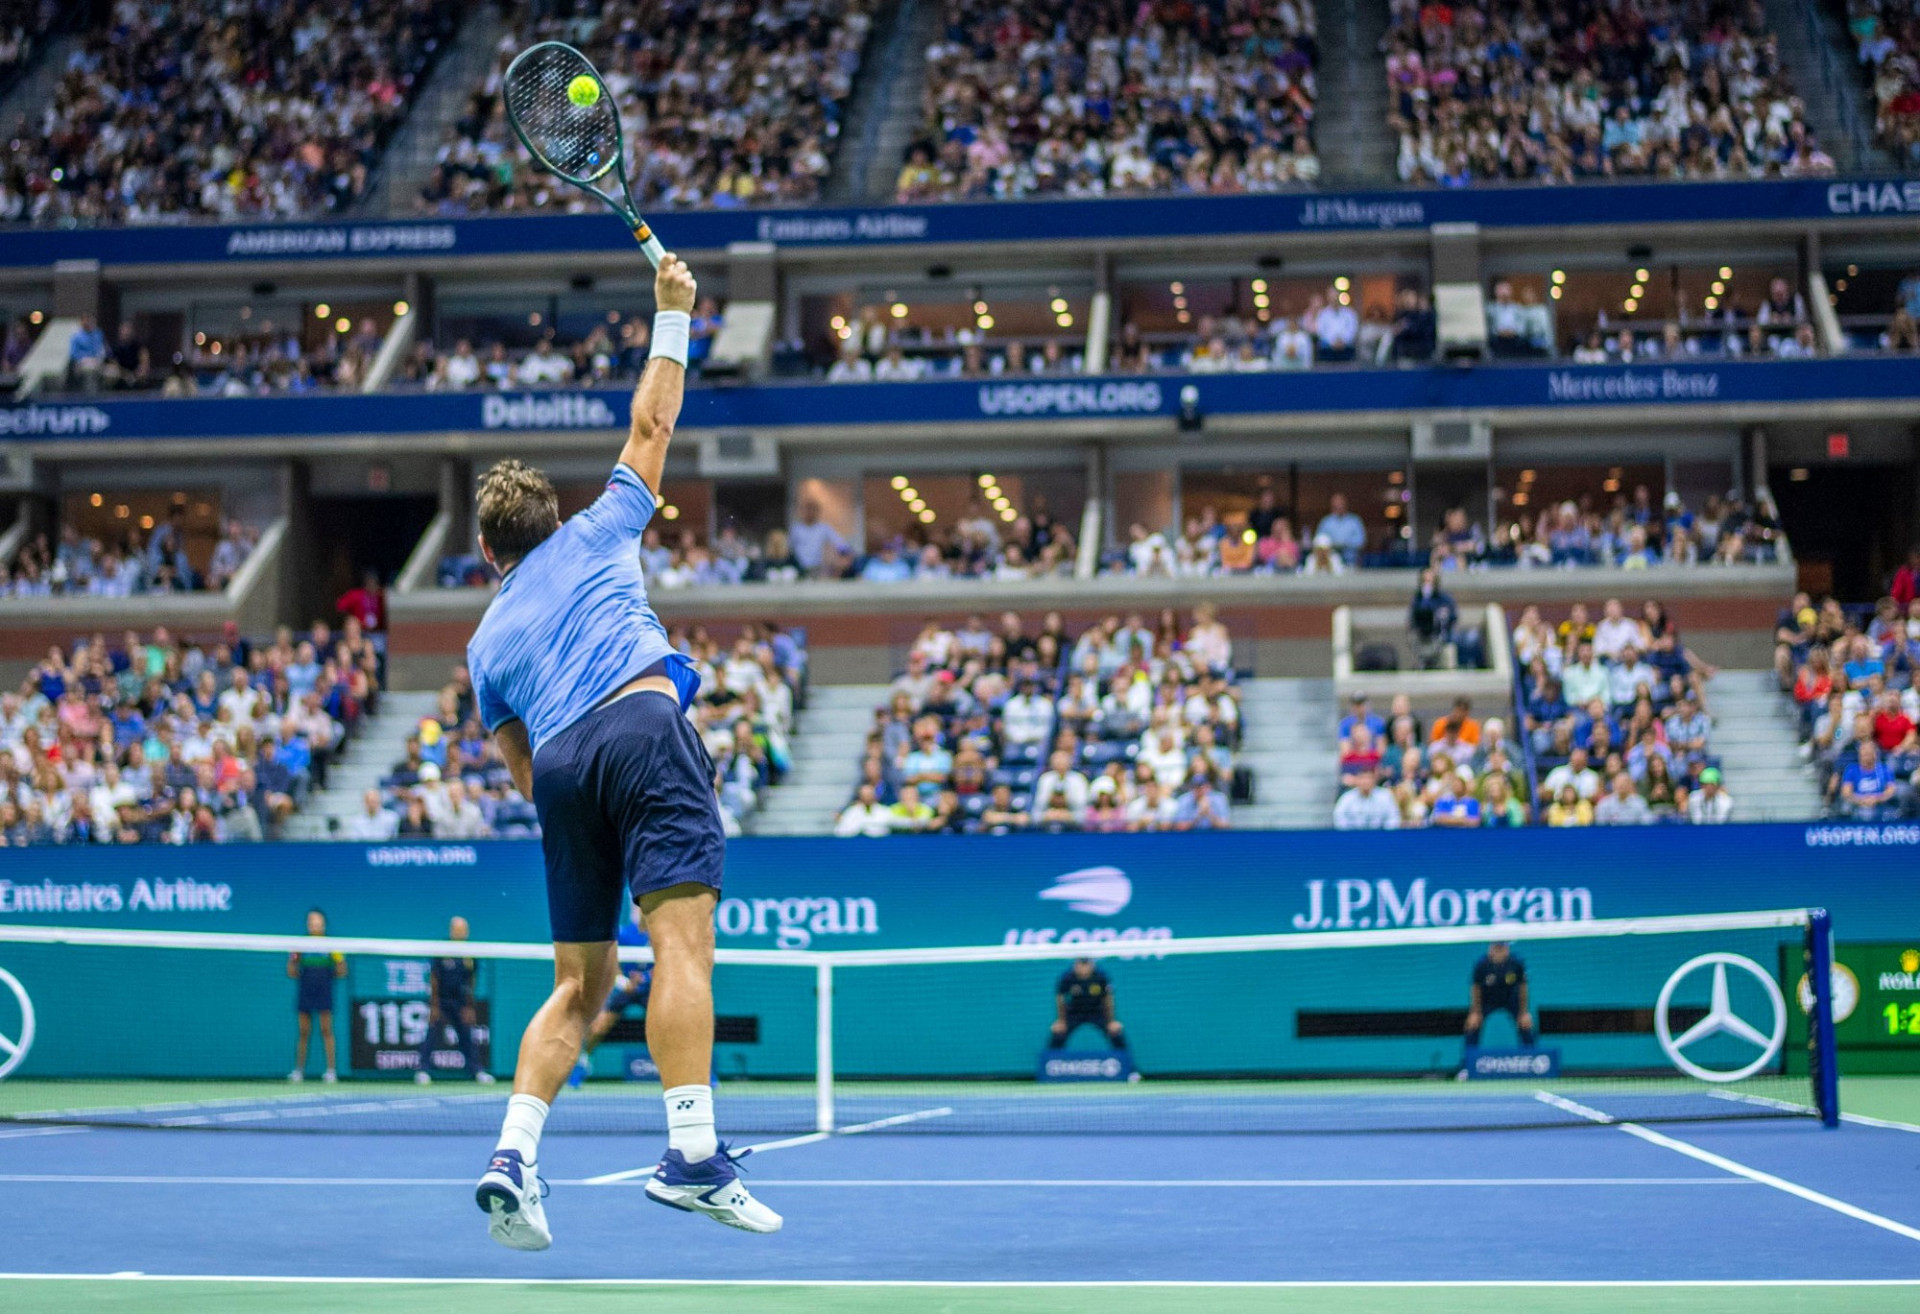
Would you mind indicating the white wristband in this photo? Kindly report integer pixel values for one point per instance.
(671, 329)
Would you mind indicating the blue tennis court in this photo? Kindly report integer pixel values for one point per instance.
(1766, 1202)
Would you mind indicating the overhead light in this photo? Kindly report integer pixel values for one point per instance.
(1259, 285)
(1177, 288)
(1840, 286)
(1262, 299)
(899, 310)
(1064, 321)
(984, 322)
(1528, 476)
(199, 339)
(1713, 303)
(1249, 537)
(1726, 271)
(533, 320)
(1346, 298)
(1264, 314)
(1059, 304)
(986, 481)
(1184, 317)
(844, 332)
(908, 493)
(38, 316)
(96, 499)
(916, 506)
(1180, 303)
(899, 482)
(1342, 283)
(1009, 515)
(1555, 292)
(1640, 274)
(1521, 499)
(1853, 271)
(401, 309)
(146, 522)
(1630, 306)
(322, 310)
(838, 321)
(670, 512)
(342, 324)
(1718, 287)
(1559, 277)
(927, 517)
(979, 307)
(1799, 474)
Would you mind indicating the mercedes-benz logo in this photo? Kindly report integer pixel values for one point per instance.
(13, 1048)
(1721, 1018)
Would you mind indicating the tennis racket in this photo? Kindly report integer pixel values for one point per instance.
(561, 110)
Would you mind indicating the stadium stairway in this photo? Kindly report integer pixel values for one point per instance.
(409, 157)
(827, 740)
(885, 112)
(32, 94)
(382, 741)
(1356, 150)
(1819, 59)
(1289, 742)
(1756, 738)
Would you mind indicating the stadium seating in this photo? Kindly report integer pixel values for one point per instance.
(1587, 91)
(149, 559)
(725, 105)
(232, 111)
(175, 740)
(1123, 728)
(1075, 98)
(1887, 40)
(1850, 672)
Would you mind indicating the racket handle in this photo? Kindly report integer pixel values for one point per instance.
(649, 243)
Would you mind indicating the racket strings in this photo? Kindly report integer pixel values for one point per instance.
(577, 142)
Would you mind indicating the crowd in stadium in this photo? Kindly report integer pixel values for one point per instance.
(998, 731)
(1886, 38)
(175, 741)
(452, 783)
(1081, 98)
(1518, 91)
(1612, 729)
(23, 23)
(241, 109)
(723, 105)
(1851, 675)
(149, 558)
(1521, 326)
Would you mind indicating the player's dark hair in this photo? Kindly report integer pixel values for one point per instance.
(518, 510)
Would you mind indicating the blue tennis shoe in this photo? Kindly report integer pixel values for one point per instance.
(711, 1187)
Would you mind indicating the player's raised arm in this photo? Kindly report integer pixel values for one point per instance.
(656, 402)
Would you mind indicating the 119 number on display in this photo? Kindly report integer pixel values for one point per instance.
(389, 1022)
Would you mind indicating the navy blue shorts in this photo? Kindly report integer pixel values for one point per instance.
(626, 804)
(316, 990)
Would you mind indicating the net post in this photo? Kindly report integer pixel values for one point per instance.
(1822, 1050)
(823, 1045)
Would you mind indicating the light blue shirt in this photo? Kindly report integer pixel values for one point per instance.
(571, 623)
(1347, 532)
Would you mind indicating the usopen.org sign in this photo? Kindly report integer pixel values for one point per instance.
(1384, 902)
(1118, 398)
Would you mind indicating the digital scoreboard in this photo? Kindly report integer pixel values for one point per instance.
(1876, 1007)
(390, 1015)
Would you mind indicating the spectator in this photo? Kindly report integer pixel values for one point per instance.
(1622, 805)
(816, 545)
(1343, 530)
(1709, 805)
(1869, 789)
(374, 824)
(1364, 806)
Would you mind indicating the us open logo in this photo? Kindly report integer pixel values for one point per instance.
(16, 1023)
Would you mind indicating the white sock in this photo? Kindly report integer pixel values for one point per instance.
(690, 1122)
(526, 1115)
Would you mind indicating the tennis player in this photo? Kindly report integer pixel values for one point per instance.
(573, 674)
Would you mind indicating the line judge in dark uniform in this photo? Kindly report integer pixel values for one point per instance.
(1084, 998)
(450, 1003)
(1499, 986)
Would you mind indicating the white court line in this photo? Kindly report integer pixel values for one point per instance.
(1041, 1183)
(1739, 1169)
(1863, 1119)
(812, 1138)
(16, 1133)
(1301, 1284)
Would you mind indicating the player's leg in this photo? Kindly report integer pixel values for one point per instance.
(585, 893)
(660, 796)
(299, 1072)
(326, 1045)
(697, 1174)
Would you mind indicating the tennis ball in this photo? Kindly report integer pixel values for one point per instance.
(583, 91)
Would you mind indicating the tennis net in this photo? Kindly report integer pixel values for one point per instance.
(1648, 1020)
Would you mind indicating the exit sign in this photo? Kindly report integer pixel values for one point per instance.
(1839, 446)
